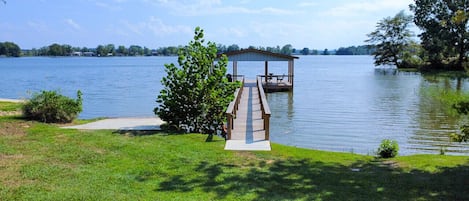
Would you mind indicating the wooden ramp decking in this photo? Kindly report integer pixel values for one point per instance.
(248, 133)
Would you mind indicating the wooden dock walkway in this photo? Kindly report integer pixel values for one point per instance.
(248, 127)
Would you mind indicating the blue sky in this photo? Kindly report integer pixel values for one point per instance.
(316, 24)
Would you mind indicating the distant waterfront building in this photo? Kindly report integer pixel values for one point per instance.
(89, 54)
(76, 54)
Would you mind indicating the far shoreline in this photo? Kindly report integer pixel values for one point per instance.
(11, 100)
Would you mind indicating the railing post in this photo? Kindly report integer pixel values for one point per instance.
(232, 109)
(267, 126)
(264, 108)
(229, 126)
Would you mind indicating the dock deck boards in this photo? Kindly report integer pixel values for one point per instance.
(248, 132)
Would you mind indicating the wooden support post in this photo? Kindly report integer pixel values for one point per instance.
(292, 67)
(229, 127)
(267, 126)
(266, 71)
(235, 70)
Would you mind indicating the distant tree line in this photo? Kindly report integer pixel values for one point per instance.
(10, 49)
(101, 51)
(286, 49)
(356, 50)
(351, 50)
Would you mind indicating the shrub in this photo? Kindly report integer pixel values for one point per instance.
(52, 107)
(388, 149)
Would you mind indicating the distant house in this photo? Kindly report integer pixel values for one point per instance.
(76, 54)
(89, 54)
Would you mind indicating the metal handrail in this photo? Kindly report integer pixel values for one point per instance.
(278, 78)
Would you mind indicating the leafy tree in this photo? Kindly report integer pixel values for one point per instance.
(445, 36)
(55, 50)
(325, 52)
(146, 51)
(196, 94)
(110, 49)
(66, 50)
(287, 49)
(10, 49)
(101, 50)
(121, 50)
(305, 51)
(232, 48)
(85, 49)
(344, 51)
(391, 37)
(356, 50)
(135, 50)
(43, 51)
(221, 48)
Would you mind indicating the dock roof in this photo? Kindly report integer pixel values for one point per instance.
(257, 55)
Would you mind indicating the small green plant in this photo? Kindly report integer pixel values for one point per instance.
(442, 150)
(388, 149)
(52, 107)
(461, 107)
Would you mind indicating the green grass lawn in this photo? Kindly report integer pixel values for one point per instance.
(10, 106)
(43, 162)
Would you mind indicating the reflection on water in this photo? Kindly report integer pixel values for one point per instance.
(434, 120)
(351, 108)
(339, 103)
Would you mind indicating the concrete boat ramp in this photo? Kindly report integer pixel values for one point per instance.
(128, 124)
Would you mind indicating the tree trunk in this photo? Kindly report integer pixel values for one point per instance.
(462, 50)
(461, 56)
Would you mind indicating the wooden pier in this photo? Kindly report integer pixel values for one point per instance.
(248, 115)
(248, 119)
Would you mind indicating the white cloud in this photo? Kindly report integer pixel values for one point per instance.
(215, 7)
(307, 4)
(107, 6)
(277, 33)
(73, 24)
(157, 27)
(232, 32)
(38, 26)
(366, 7)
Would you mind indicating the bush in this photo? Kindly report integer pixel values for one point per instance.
(52, 107)
(388, 149)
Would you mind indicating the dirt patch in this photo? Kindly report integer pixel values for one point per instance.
(247, 155)
(10, 175)
(251, 160)
(390, 164)
(13, 128)
(8, 159)
(10, 113)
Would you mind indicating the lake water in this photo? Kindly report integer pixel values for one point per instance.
(339, 103)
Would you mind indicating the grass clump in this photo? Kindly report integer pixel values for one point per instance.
(52, 107)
